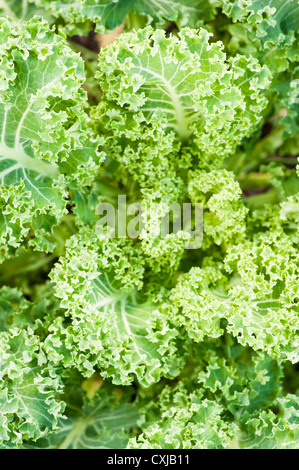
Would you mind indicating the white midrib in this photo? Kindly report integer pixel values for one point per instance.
(24, 7)
(18, 155)
(75, 433)
(109, 299)
(192, 9)
(182, 123)
(128, 329)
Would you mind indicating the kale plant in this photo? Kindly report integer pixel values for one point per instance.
(116, 116)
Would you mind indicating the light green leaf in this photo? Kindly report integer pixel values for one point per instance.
(24, 9)
(28, 389)
(269, 430)
(116, 330)
(264, 302)
(108, 14)
(184, 421)
(167, 100)
(43, 129)
(104, 422)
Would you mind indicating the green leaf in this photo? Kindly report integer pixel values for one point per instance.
(108, 14)
(28, 389)
(116, 330)
(264, 308)
(271, 430)
(168, 100)
(104, 422)
(24, 9)
(184, 421)
(43, 129)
